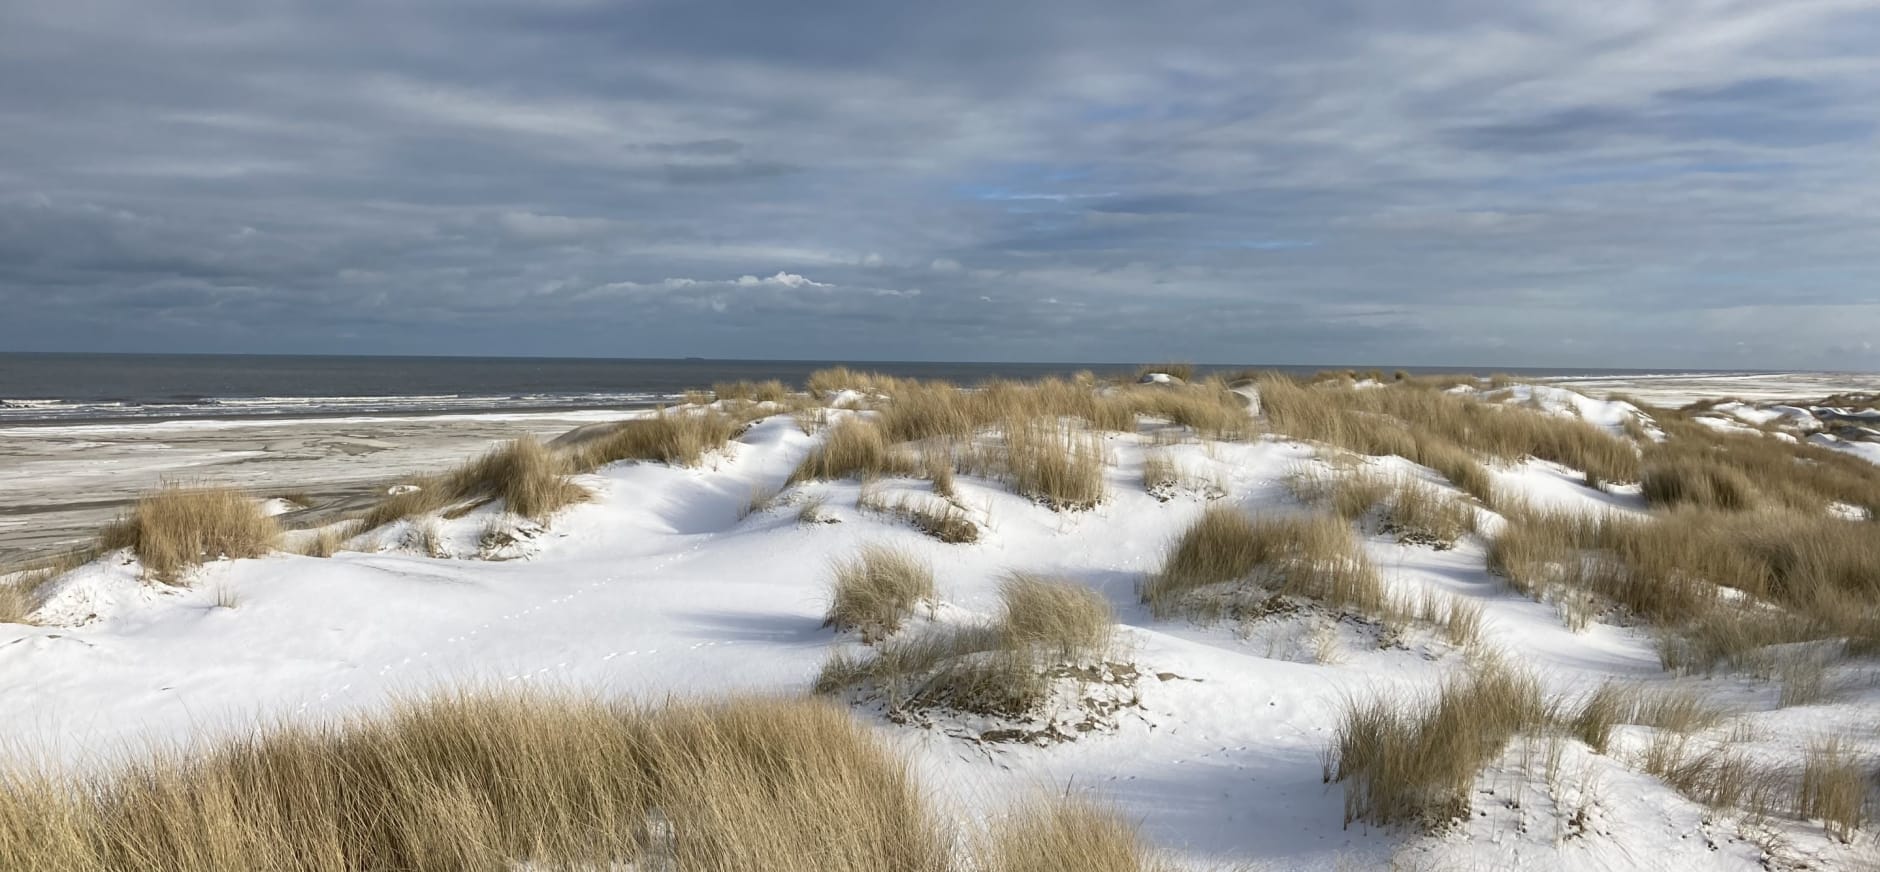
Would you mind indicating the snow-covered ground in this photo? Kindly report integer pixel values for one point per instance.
(664, 586)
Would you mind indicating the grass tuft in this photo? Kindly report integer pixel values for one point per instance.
(498, 782)
(875, 591)
(1404, 759)
(1064, 617)
(1254, 559)
(176, 528)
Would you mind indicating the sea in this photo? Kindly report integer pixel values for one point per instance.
(41, 388)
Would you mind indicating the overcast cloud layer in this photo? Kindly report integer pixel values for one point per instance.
(1570, 183)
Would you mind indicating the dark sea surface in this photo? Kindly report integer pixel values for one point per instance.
(70, 388)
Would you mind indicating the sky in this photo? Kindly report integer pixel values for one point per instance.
(1569, 183)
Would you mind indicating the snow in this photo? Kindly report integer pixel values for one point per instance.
(663, 586)
(1610, 415)
(1868, 451)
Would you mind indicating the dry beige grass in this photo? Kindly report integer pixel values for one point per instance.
(1064, 835)
(1159, 473)
(1803, 477)
(1227, 563)
(1715, 775)
(937, 465)
(1700, 482)
(327, 541)
(1212, 411)
(679, 438)
(24, 587)
(854, 448)
(526, 475)
(1426, 425)
(1677, 711)
(1066, 618)
(875, 591)
(1054, 464)
(1835, 788)
(530, 478)
(1816, 570)
(176, 527)
(1405, 759)
(490, 782)
(772, 391)
(1415, 511)
(812, 511)
(968, 669)
(997, 669)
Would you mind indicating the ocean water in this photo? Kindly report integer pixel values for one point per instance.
(69, 388)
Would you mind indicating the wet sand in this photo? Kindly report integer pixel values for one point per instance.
(59, 484)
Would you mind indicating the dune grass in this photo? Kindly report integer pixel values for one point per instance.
(772, 391)
(1700, 482)
(1410, 759)
(1426, 426)
(1054, 464)
(1230, 564)
(1068, 619)
(854, 448)
(1680, 711)
(875, 591)
(530, 478)
(1670, 569)
(1065, 835)
(177, 527)
(490, 782)
(1413, 510)
(992, 669)
(679, 438)
(1836, 788)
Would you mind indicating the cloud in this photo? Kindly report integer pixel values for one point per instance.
(1685, 183)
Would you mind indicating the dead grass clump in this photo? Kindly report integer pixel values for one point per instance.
(1693, 482)
(1213, 412)
(925, 410)
(1227, 563)
(1459, 466)
(1064, 835)
(772, 391)
(937, 465)
(1413, 510)
(25, 590)
(526, 475)
(855, 447)
(497, 782)
(1404, 759)
(943, 521)
(1159, 474)
(175, 528)
(969, 669)
(326, 541)
(1403, 420)
(1792, 576)
(1716, 776)
(998, 669)
(1800, 476)
(1420, 514)
(1679, 711)
(1054, 464)
(874, 592)
(679, 438)
(1835, 788)
(1067, 618)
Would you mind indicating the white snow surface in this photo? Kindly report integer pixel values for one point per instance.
(659, 588)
